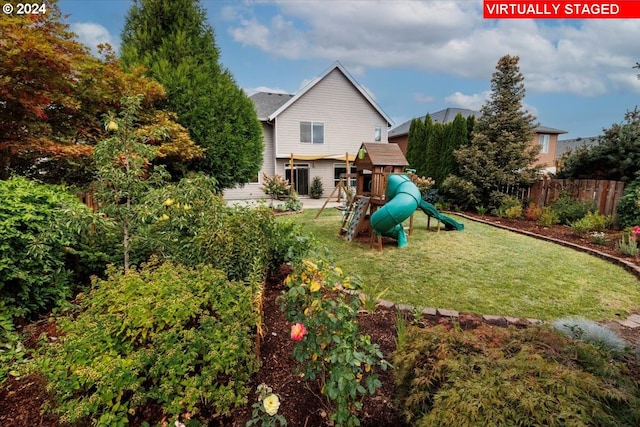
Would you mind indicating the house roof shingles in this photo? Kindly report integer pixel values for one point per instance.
(267, 103)
(448, 114)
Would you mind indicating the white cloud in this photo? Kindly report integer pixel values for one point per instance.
(92, 35)
(587, 58)
(251, 91)
(472, 102)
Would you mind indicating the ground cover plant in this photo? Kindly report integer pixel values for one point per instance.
(505, 377)
(482, 270)
(179, 338)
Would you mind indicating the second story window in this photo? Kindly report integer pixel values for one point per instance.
(312, 132)
(543, 139)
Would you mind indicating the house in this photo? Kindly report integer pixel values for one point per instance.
(545, 136)
(311, 133)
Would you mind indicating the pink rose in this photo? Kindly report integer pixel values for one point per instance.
(298, 331)
(636, 229)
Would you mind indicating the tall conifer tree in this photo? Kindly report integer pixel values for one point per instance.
(176, 44)
(501, 151)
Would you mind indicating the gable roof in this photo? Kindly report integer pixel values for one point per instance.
(267, 102)
(335, 66)
(380, 154)
(448, 114)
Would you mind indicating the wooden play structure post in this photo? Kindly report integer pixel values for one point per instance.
(339, 188)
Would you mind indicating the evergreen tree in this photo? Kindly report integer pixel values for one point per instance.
(455, 137)
(433, 153)
(173, 40)
(415, 143)
(501, 151)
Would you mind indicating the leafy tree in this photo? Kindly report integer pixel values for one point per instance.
(500, 152)
(615, 157)
(54, 95)
(173, 40)
(125, 172)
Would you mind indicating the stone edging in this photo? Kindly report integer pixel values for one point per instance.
(629, 266)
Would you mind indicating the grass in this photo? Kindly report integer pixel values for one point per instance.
(482, 270)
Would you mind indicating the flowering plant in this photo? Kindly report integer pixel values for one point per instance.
(318, 300)
(265, 410)
(629, 242)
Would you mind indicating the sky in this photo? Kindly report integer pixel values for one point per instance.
(414, 57)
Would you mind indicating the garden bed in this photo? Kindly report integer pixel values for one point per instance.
(21, 399)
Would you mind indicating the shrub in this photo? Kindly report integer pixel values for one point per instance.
(166, 334)
(628, 243)
(329, 346)
(592, 221)
(481, 210)
(548, 217)
(508, 377)
(275, 186)
(569, 210)
(40, 228)
(508, 207)
(316, 189)
(628, 207)
(200, 228)
(461, 192)
(591, 332)
(532, 212)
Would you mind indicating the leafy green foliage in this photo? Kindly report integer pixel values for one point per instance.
(40, 225)
(316, 189)
(570, 210)
(188, 222)
(218, 115)
(615, 157)
(12, 352)
(548, 216)
(167, 334)
(332, 351)
(628, 208)
(125, 174)
(509, 207)
(501, 152)
(592, 221)
(275, 186)
(507, 377)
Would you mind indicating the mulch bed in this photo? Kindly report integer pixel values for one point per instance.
(21, 399)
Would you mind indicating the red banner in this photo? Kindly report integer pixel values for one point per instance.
(518, 9)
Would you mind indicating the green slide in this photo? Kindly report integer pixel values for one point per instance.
(403, 198)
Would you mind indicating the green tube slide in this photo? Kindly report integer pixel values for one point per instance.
(403, 198)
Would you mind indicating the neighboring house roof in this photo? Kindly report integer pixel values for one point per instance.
(380, 154)
(266, 103)
(448, 114)
(443, 116)
(334, 66)
(571, 144)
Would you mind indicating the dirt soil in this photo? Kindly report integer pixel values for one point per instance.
(21, 399)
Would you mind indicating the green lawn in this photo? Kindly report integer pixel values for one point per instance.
(482, 270)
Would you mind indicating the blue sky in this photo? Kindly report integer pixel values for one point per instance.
(414, 57)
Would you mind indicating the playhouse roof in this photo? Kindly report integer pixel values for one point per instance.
(381, 154)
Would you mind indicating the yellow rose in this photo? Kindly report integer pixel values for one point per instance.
(315, 286)
(164, 217)
(168, 202)
(271, 404)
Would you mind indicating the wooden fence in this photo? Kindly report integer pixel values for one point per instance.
(544, 192)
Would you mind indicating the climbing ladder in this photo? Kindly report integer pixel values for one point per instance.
(354, 218)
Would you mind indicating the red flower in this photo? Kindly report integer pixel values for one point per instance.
(636, 229)
(298, 331)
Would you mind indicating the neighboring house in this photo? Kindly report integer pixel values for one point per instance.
(566, 145)
(314, 130)
(545, 136)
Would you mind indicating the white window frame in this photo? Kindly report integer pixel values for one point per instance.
(353, 179)
(377, 134)
(543, 140)
(312, 126)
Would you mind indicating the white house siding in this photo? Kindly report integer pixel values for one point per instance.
(252, 190)
(349, 119)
